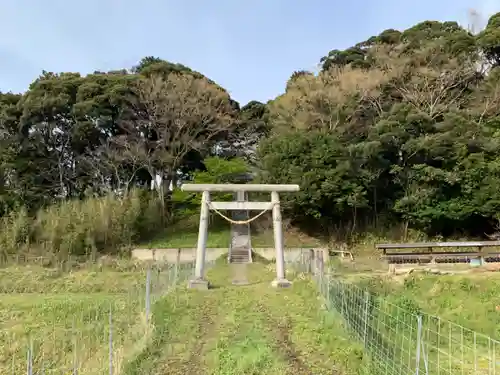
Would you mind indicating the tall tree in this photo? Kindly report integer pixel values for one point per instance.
(173, 116)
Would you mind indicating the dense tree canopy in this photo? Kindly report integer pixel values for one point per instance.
(70, 135)
(401, 128)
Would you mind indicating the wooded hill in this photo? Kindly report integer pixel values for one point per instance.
(401, 128)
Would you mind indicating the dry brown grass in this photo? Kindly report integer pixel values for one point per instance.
(79, 228)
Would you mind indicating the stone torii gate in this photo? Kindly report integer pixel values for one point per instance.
(199, 280)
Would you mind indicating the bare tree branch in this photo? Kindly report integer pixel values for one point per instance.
(173, 116)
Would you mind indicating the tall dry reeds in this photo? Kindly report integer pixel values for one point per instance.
(81, 227)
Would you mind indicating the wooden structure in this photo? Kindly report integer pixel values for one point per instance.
(483, 251)
(207, 205)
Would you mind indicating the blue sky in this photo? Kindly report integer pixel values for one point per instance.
(249, 47)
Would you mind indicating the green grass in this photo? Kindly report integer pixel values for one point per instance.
(184, 234)
(459, 314)
(469, 300)
(252, 329)
(65, 318)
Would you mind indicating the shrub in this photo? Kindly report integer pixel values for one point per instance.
(15, 230)
(82, 227)
(218, 171)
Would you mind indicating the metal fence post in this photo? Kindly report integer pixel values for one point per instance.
(110, 340)
(29, 368)
(148, 294)
(310, 268)
(177, 266)
(13, 362)
(342, 309)
(419, 344)
(328, 300)
(75, 358)
(321, 272)
(315, 266)
(365, 329)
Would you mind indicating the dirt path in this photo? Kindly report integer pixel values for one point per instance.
(280, 332)
(192, 361)
(239, 274)
(246, 329)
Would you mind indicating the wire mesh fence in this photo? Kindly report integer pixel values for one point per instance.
(400, 340)
(91, 330)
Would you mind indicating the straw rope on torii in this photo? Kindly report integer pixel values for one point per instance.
(248, 221)
(207, 205)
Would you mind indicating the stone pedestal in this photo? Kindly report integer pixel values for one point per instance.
(281, 283)
(199, 284)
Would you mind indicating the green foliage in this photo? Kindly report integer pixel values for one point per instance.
(331, 183)
(402, 126)
(489, 39)
(217, 171)
(451, 39)
(354, 56)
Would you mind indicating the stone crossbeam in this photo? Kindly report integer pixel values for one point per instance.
(240, 187)
(242, 206)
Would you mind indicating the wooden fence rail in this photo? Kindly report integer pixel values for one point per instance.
(439, 252)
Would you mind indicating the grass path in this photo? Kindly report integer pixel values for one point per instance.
(252, 329)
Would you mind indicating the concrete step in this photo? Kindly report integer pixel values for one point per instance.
(239, 261)
(239, 255)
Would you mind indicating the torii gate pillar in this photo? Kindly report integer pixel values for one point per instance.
(199, 280)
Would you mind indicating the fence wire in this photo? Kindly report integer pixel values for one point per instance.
(400, 341)
(81, 333)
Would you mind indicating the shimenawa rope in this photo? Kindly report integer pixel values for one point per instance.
(238, 221)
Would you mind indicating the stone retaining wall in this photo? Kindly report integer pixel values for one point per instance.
(185, 255)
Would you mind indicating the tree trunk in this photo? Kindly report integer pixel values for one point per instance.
(163, 189)
(405, 230)
(354, 220)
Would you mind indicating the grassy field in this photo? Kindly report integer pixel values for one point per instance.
(459, 314)
(469, 297)
(470, 300)
(252, 329)
(184, 234)
(65, 318)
